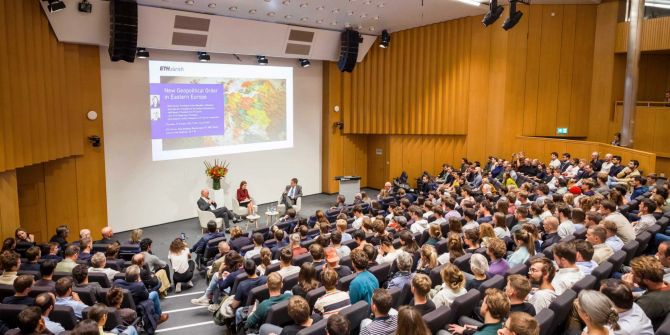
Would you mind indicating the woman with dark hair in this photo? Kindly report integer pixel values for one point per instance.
(23, 240)
(307, 280)
(181, 263)
(243, 197)
(454, 249)
(9, 244)
(500, 229)
(410, 322)
(408, 243)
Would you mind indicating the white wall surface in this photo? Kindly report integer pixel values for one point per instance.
(143, 193)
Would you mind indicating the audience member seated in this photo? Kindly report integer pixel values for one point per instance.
(454, 249)
(181, 263)
(112, 256)
(452, 287)
(541, 274)
(517, 290)
(85, 247)
(107, 237)
(24, 240)
(98, 313)
(256, 319)
(387, 253)
(295, 246)
(663, 255)
(62, 232)
(266, 260)
(65, 296)
(153, 281)
(98, 262)
(46, 273)
(298, 310)
(133, 283)
(520, 323)
(135, 237)
(566, 227)
(46, 302)
(585, 261)
(317, 252)
(32, 255)
(624, 229)
(199, 247)
(333, 300)
(613, 240)
(232, 267)
(496, 251)
(286, 267)
(257, 240)
(80, 276)
(598, 313)
(86, 327)
(403, 276)
(69, 259)
(22, 286)
(31, 322)
(420, 287)
(365, 283)
(154, 263)
(647, 274)
(306, 280)
(479, 267)
(115, 299)
(54, 249)
(597, 236)
(337, 325)
(525, 247)
(495, 308)
(224, 249)
(333, 262)
(632, 319)
(238, 239)
(550, 237)
(411, 322)
(565, 256)
(383, 322)
(11, 261)
(646, 216)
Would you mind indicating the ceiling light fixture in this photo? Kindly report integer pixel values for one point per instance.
(232, 8)
(55, 6)
(271, 14)
(203, 56)
(142, 53)
(190, 2)
(252, 11)
(85, 6)
(385, 39)
(514, 16)
(494, 13)
(304, 62)
(212, 5)
(262, 60)
(471, 2)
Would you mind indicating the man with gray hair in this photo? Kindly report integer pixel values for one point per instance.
(404, 261)
(98, 262)
(107, 236)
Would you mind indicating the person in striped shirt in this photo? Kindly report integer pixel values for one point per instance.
(384, 322)
(334, 300)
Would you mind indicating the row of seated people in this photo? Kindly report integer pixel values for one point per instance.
(555, 222)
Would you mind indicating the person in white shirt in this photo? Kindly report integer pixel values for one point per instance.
(663, 255)
(258, 245)
(541, 273)
(597, 235)
(387, 253)
(647, 219)
(555, 163)
(565, 256)
(624, 229)
(98, 262)
(453, 286)
(439, 215)
(358, 214)
(566, 227)
(607, 164)
(420, 224)
(449, 206)
(428, 209)
(632, 319)
(471, 220)
(548, 206)
(286, 267)
(612, 239)
(585, 261)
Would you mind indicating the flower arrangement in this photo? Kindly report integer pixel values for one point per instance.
(216, 171)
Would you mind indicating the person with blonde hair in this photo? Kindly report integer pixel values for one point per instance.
(410, 322)
(598, 313)
(453, 286)
(454, 249)
(428, 260)
(266, 260)
(520, 323)
(495, 308)
(136, 236)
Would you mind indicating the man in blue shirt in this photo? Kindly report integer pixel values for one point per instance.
(65, 297)
(362, 287)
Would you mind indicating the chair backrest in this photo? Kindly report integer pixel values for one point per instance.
(630, 249)
(617, 260)
(37, 290)
(278, 314)
(643, 239)
(343, 283)
(602, 271)
(350, 243)
(113, 318)
(580, 233)
(519, 269)
(6, 291)
(240, 277)
(436, 319)
(435, 276)
(318, 328)
(496, 281)
(355, 314)
(128, 301)
(244, 249)
(36, 274)
(545, 320)
(99, 247)
(86, 295)
(464, 305)
(306, 257)
(314, 295)
(290, 281)
(663, 222)
(100, 278)
(9, 314)
(463, 262)
(65, 316)
(272, 268)
(561, 307)
(259, 293)
(59, 275)
(548, 251)
(381, 271)
(586, 283)
(346, 261)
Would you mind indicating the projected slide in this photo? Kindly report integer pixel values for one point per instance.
(202, 109)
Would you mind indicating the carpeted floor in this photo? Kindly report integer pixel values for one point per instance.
(186, 318)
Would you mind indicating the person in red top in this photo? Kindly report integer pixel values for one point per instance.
(243, 197)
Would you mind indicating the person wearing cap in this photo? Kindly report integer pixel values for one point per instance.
(333, 262)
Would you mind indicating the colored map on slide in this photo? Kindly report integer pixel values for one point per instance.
(255, 112)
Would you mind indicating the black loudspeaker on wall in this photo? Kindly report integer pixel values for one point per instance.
(348, 50)
(122, 30)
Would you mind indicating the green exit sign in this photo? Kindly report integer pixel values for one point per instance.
(562, 131)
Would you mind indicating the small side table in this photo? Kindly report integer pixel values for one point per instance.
(253, 219)
(270, 217)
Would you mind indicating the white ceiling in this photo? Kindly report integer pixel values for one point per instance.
(367, 16)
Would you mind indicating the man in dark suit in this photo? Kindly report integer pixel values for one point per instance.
(291, 193)
(107, 236)
(207, 204)
(134, 284)
(200, 246)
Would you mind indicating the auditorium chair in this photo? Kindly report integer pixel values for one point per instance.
(278, 314)
(59, 275)
(617, 259)
(6, 291)
(548, 251)
(381, 271)
(664, 328)
(580, 234)
(630, 249)
(435, 277)
(586, 283)
(100, 278)
(463, 305)
(561, 307)
(212, 248)
(314, 295)
(246, 248)
(113, 318)
(205, 216)
(259, 293)
(436, 319)
(64, 315)
(127, 251)
(343, 283)
(37, 290)
(99, 247)
(395, 293)
(35, 274)
(281, 208)
(441, 246)
(290, 281)
(242, 211)
(544, 321)
(86, 295)
(496, 281)
(318, 328)
(463, 263)
(643, 239)
(355, 314)
(519, 269)
(346, 261)
(272, 268)
(663, 222)
(602, 271)
(304, 258)
(240, 277)
(569, 238)
(9, 314)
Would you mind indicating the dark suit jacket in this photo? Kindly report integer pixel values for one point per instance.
(199, 247)
(203, 205)
(298, 190)
(106, 241)
(137, 289)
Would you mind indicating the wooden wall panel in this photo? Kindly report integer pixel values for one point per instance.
(655, 35)
(9, 204)
(32, 201)
(663, 165)
(654, 78)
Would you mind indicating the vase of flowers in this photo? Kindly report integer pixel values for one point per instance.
(216, 171)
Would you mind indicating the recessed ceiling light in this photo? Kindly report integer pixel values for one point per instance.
(288, 16)
(211, 5)
(303, 5)
(351, 12)
(286, 2)
(335, 11)
(334, 23)
(368, 2)
(372, 28)
(271, 13)
(252, 11)
(190, 2)
(364, 15)
(303, 19)
(268, 0)
(381, 5)
(232, 8)
(376, 18)
(320, 8)
(347, 25)
(360, 27)
(319, 21)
